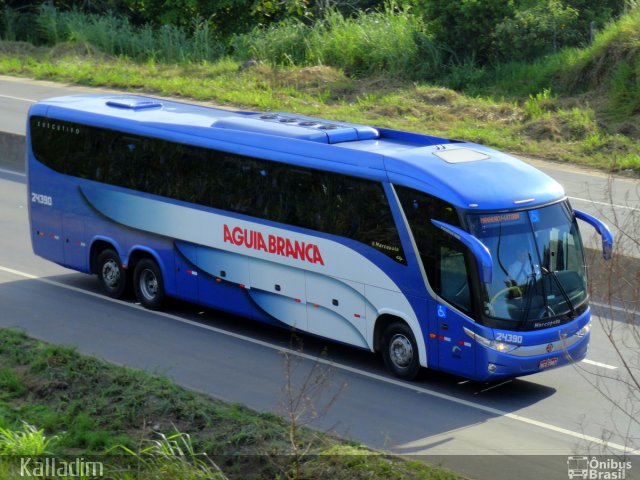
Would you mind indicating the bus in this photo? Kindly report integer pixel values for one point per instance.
(433, 252)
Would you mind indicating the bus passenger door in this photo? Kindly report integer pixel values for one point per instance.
(455, 349)
(336, 309)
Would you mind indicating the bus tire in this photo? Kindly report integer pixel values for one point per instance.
(111, 275)
(400, 351)
(148, 284)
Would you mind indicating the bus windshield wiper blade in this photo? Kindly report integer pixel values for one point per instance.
(564, 293)
(528, 288)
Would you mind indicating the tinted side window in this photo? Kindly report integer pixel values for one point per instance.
(442, 256)
(342, 205)
(325, 201)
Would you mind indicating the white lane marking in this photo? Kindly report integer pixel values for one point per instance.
(374, 376)
(606, 204)
(11, 172)
(614, 308)
(19, 99)
(598, 364)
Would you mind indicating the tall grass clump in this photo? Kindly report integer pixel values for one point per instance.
(50, 26)
(173, 457)
(27, 441)
(9, 24)
(392, 42)
(113, 34)
(284, 43)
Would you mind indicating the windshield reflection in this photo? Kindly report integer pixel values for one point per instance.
(538, 265)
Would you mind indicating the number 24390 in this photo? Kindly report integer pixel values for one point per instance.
(41, 199)
(508, 337)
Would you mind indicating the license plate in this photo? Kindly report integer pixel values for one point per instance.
(548, 362)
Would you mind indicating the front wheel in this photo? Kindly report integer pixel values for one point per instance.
(148, 284)
(111, 275)
(400, 351)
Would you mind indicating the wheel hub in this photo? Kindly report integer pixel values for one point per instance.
(401, 350)
(148, 284)
(111, 273)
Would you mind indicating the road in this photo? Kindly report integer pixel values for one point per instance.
(525, 427)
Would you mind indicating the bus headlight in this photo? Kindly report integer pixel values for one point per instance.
(584, 330)
(502, 347)
(492, 344)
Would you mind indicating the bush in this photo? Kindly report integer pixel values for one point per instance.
(465, 27)
(625, 89)
(537, 31)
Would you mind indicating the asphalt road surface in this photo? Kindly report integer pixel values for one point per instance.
(524, 428)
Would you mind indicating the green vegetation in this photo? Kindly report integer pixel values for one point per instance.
(27, 441)
(395, 64)
(524, 76)
(391, 42)
(543, 125)
(144, 427)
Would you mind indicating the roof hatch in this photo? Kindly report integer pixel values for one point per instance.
(460, 155)
(299, 127)
(133, 103)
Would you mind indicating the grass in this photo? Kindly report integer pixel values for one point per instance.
(27, 441)
(392, 42)
(68, 405)
(114, 34)
(605, 74)
(543, 125)
(577, 106)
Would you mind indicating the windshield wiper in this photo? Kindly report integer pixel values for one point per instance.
(529, 288)
(553, 275)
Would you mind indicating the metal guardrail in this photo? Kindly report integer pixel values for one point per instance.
(12, 151)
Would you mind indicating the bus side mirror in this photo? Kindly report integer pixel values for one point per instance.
(602, 229)
(478, 249)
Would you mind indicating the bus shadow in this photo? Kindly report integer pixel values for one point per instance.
(504, 395)
(367, 391)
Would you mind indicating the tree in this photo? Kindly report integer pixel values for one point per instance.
(616, 291)
(465, 27)
(533, 32)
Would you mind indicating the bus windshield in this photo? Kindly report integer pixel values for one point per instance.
(538, 265)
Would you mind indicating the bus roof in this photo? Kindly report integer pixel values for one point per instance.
(469, 175)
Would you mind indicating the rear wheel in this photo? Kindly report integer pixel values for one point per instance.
(400, 351)
(111, 275)
(148, 284)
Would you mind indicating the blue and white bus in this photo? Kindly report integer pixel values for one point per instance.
(434, 252)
